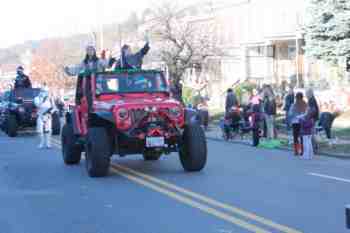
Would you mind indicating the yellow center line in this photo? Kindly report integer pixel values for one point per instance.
(192, 203)
(186, 200)
(128, 172)
(210, 201)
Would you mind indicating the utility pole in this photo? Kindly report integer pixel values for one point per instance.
(99, 21)
(120, 35)
(297, 60)
(101, 36)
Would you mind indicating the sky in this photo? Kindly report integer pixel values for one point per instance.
(22, 20)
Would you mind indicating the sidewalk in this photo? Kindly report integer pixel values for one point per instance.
(337, 148)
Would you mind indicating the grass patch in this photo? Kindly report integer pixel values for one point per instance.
(343, 149)
(342, 133)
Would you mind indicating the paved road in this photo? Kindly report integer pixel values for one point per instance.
(242, 189)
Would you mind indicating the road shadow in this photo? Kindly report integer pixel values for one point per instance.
(166, 165)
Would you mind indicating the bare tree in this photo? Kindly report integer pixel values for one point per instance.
(48, 61)
(185, 39)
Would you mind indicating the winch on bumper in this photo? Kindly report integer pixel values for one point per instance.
(149, 138)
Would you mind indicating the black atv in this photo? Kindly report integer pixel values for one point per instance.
(19, 112)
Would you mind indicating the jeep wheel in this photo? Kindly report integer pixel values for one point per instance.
(12, 126)
(151, 155)
(98, 152)
(193, 151)
(71, 152)
(56, 124)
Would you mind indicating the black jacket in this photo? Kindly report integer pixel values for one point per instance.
(288, 102)
(231, 100)
(312, 103)
(270, 107)
(22, 81)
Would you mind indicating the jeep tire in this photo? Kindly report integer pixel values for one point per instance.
(98, 152)
(12, 126)
(193, 149)
(56, 124)
(71, 151)
(151, 155)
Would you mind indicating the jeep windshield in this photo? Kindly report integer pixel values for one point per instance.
(130, 83)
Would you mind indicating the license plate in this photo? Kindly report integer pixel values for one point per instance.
(155, 142)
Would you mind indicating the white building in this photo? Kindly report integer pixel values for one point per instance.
(263, 41)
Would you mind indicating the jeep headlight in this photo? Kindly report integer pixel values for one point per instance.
(175, 112)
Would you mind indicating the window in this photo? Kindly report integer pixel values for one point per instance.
(257, 51)
(130, 83)
(291, 52)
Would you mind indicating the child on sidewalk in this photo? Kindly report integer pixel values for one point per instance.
(307, 126)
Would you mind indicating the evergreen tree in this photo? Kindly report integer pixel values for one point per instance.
(328, 30)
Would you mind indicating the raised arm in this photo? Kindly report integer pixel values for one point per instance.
(145, 48)
(74, 70)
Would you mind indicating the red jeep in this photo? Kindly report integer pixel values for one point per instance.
(129, 112)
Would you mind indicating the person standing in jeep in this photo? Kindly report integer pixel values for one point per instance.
(128, 60)
(91, 63)
(22, 80)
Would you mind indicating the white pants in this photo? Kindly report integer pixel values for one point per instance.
(44, 130)
(307, 146)
(45, 140)
(270, 125)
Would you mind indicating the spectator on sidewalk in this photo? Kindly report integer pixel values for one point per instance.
(231, 100)
(295, 111)
(176, 90)
(312, 104)
(270, 110)
(326, 122)
(315, 114)
(307, 125)
(288, 102)
(255, 98)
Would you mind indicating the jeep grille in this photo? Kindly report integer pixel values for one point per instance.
(137, 114)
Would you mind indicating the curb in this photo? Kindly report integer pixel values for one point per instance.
(345, 157)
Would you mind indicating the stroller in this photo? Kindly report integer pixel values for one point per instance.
(243, 121)
(230, 123)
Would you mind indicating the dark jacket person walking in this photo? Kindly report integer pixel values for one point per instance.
(231, 100)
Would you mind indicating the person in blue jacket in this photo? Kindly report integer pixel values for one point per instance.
(129, 60)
